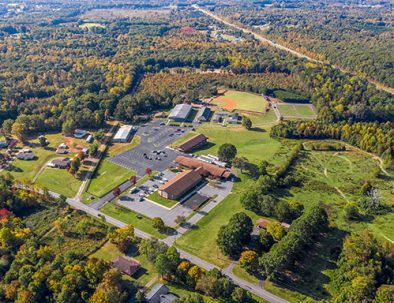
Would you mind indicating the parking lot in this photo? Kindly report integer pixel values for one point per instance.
(137, 201)
(152, 151)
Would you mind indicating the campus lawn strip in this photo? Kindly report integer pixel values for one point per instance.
(107, 176)
(255, 145)
(285, 293)
(59, 181)
(129, 217)
(155, 197)
(201, 239)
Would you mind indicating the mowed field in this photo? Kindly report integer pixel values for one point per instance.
(236, 100)
(106, 177)
(302, 111)
(59, 181)
(254, 144)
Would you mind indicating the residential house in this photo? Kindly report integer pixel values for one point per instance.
(160, 294)
(126, 265)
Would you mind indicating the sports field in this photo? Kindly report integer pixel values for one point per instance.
(242, 101)
(305, 111)
(107, 177)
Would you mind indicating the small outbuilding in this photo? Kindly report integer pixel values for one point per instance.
(89, 139)
(233, 119)
(80, 133)
(126, 265)
(203, 114)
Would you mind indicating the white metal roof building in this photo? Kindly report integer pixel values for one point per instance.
(123, 134)
(180, 112)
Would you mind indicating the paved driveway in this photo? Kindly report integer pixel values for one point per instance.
(154, 137)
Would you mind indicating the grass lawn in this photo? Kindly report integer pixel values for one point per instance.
(108, 252)
(128, 216)
(243, 274)
(28, 169)
(255, 145)
(155, 197)
(305, 110)
(262, 119)
(287, 109)
(289, 295)
(107, 176)
(117, 148)
(202, 239)
(242, 101)
(59, 181)
(296, 110)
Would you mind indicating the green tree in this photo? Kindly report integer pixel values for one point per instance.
(158, 223)
(265, 240)
(240, 162)
(227, 152)
(163, 266)
(112, 289)
(75, 165)
(276, 230)
(7, 127)
(249, 260)
(246, 122)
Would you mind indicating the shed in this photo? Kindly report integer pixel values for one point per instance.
(203, 114)
(80, 133)
(89, 139)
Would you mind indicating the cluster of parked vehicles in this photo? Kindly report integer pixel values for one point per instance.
(145, 190)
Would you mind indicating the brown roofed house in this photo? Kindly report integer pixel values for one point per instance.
(193, 143)
(180, 184)
(213, 170)
(126, 266)
(262, 223)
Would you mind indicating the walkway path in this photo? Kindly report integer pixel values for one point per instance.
(261, 38)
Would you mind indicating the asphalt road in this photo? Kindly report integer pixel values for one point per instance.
(253, 288)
